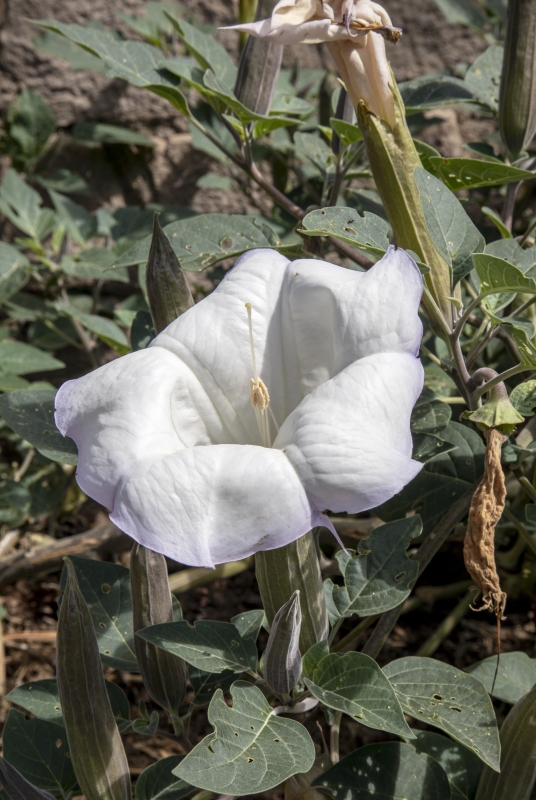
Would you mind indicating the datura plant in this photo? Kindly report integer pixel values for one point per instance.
(295, 417)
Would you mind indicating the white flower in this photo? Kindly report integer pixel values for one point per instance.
(354, 32)
(182, 442)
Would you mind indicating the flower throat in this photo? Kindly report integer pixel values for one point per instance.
(260, 397)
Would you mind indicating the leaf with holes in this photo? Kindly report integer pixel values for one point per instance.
(511, 251)
(158, 782)
(379, 576)
(249, 623)
(441, 481)
(390, 771)
(451, 230)
(30, 412)
(106, 590)
(207, 645)
(368, 233)
(483, 78)
(251, 750)
(440, 695)
(207, 239)
(470, 173)
(463, 768)
(497, 275)
(354, 683)
(515, 677)
(39, 750)
(429, 415)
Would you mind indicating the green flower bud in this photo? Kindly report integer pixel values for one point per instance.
(282, 659)
(259, 67)
(95, 745)
(518, 755)
(517, 99)
(164, 674)
(168, 292)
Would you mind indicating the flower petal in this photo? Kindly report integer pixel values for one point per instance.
(350, 439)
(207, 505)
(314, 31)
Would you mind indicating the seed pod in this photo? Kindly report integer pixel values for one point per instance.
(95, 745)
(282, 659)
(17, 787)
(518, 756)
(259, 67)
(517, 98)
(164, 675)
(167, 290)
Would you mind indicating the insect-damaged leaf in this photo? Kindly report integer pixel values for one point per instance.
(379, 576)
(515, 677)
(369, 233)
(445, 697)
(251, 750)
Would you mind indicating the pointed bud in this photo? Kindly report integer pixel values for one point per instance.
(259, 67)
(517, 99)
(95, 745)
(164, 675)
(168, 292)
(282, 659)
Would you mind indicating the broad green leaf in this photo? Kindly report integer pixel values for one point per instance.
(30, 122)
(523, 398)
(515, 677)
(251, 750)
(313, 657)
(39, 750)
(94, 134)
(429, 414)
(244, 114)
(315, 149)
(206, 50)
(63, 180)
(354, 683)
(158, 782)
(368, 232)
(135, 62)
(21, 359)
(207, 645)
(13, 273)
(462, 766)
(249, 623)
(347, 133)
(15, 502)
(12, 383)
(426, 153)
(30, 413)
(13, 786)
(379, 576)
(94, 263)
(522, 332)
(142, 331)
(207, 239)
(106, 329)
(22, 206)
(56, 45)
(205, 684)
(492, 215)
(434, 91)
(79, 224)
(510, 250)
(440, 695)
(390, 771)
(498, 275)
(483, 78)
(458, 12)
(441, 481)
(452, 232)
(427, 446)
(214, 126)
(470, 173)
(106, 590)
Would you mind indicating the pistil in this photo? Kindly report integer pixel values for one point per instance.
(260, 397)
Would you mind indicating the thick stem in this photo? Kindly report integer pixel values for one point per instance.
(509, 373)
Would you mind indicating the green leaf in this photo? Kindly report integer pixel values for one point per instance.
(147, 727)
(30, 122)
(142, 331)
(56, 45)
(208, 645)
(79, 224)
(463, 768)
(106, 329)
(158, 782)
(30, 413)
(522, 332)
(523, 398)
(390, 771)
(313, 657)
(14, 502)
(63, 180)
(442, 480)
(498, 275)
(19, 359)
(106, 590)
(249, 623)
(13, 274)
(205, 684)
(94, 134)
(22, 206)
(510, 250)
(429, 415)
(379, 576)
(347, 133)
(458, 12)
(216, 127)
(470, 173)
(313, 147)
(135, 62)
(483, 78)
(209, 53)
(354, 683)
(93, 263)
(15, 787)
(368, 233)
(427, 446)
(39, 750)
(207, 239)
(251, 750)
(516, 675)
(440, 695)
(434, 91)
(452, 232)
(497, 221)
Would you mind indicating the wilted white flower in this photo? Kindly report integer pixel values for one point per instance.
(286, 392)
(355, 34)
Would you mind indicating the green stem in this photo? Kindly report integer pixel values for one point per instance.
(334, 737)
(509, 373)
(523, 532)
(446, 626)
(528, 487)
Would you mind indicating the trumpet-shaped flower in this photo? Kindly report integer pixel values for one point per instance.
(354, 31)
(286, 392)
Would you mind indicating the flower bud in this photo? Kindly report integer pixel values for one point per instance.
(95, 745)
(518, 755)
(259, 66)
(164, 674)
(168, 292)
(282, 659)
(517, 98)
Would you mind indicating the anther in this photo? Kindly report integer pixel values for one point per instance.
(259, 394)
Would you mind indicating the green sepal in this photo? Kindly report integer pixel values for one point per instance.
(497, 413)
